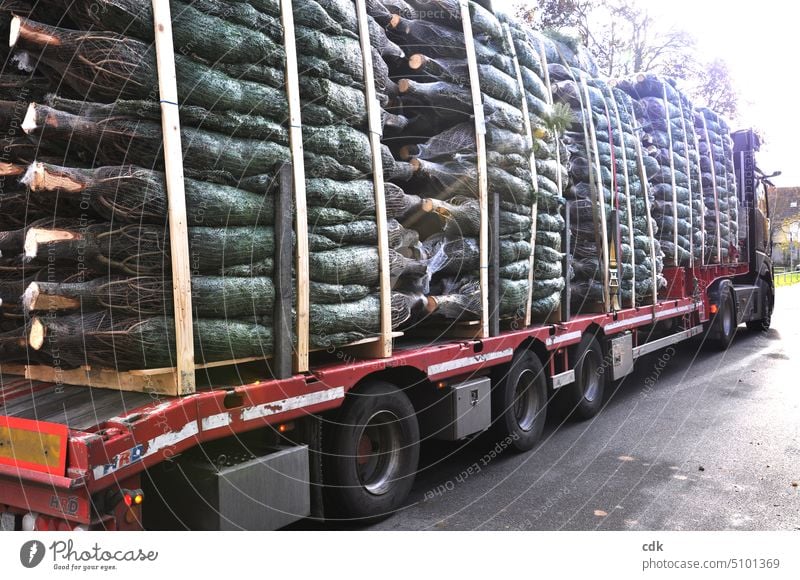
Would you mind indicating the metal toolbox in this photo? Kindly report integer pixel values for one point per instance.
(244, 493)
(466, 410)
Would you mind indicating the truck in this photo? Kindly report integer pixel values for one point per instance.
(338, 438)
(342, 441)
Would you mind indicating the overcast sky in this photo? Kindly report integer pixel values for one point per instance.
(761, 42)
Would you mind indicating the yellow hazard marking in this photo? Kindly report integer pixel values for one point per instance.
(32, 447)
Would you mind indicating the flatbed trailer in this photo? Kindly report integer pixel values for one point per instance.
(98, 442)
(341, 439)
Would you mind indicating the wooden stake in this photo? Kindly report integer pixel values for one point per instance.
(178, 231)
(625, 173)
(689, 187)
(714, 187)
(483, 178)
(534, 176)
(676, 261)
(702, 196)
(600, 202)
(650, 233)
(375, 137)
(564, 309)
(299, 178)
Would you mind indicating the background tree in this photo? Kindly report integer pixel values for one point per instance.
(625, 39)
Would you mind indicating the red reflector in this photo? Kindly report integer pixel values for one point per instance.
(128, 499)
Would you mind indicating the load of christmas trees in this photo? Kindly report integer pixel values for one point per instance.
(83, 203)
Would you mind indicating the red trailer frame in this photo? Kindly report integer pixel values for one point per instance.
(113, 454)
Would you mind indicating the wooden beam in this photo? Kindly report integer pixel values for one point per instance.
(176, 197)
(615, 259)
(701, 193)
(628, 206)
(375, 137)
(646, 192)
(299, 179)
(689, 175)
(600, 202)
(483, 178)
(675, 260)
(713, 186)
(564, 310)
(284, 256)
(534, 176)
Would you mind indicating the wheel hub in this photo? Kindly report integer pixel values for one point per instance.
(378, 452)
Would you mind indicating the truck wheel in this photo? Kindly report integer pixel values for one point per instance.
(583, 399)
(371, 454)
(763, 324)
(723, 326)
(519, 401)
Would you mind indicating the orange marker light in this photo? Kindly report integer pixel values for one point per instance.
(714, 308)
(138, 499)
(285, 427)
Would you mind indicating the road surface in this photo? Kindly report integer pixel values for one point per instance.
(693, 440)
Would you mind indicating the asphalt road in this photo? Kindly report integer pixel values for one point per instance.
(713, 443)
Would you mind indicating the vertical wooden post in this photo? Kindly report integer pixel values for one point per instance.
(714, 186)
(299, 179)
(615, 244)
(284, 256)
(534, 176)
(735, 188)
(676, 261)
(375, 136)
(701, 193)
(565, 306)
(176, 197)
(483, 178)
(601, 226)
(646, 191)
(734, 240)
(628, 206)
(689, 175)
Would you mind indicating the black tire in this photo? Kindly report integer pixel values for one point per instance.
(723, 325)
(371, 454)
(519, 402)
(763, 323)
(583, 399)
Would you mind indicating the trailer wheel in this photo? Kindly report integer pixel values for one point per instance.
(371, 454)
(723, 326)
(763, 323)
(583, 399)
(519, 401)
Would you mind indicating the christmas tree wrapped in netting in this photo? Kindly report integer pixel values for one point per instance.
(89, 166)
(719, 186)
(668, 137)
